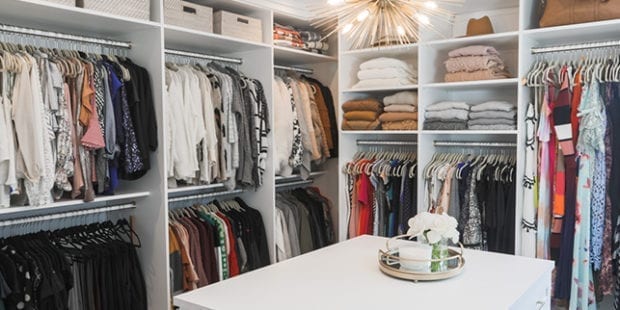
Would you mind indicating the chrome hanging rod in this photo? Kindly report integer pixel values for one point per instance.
(392, 143)
(206, 196)
(474, 144)
(574, 47)
(296, 184)
(49, 217)
(63, 36)
(296, 69)
(204, 56)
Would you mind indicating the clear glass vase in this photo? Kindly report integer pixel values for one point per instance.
(440, 250)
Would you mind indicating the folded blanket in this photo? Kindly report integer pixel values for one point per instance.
(445, 125)
(361, 115)
(489, 74)
(400, 108)
(448, 105)
(474, 63)
(360, 125)
(448, 114)
(385, 62)
(402, 98)
(400, 125)
(362, 105)
(398, 116)
(317, 45)
(493, 106)
(493, 114)
(492, 121)
(493, 127)
(473, 50)
(384, 73)
(309, 36)
(374, 83)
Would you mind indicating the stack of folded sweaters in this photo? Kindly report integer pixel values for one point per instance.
(493, 115)
(313, 42)
(361, 114)
(385, 72)
(288, 36)
(474, 63)
(446, 115)
(400, 111)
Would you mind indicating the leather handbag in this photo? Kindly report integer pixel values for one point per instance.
(565, 12)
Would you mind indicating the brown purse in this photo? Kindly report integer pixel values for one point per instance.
(565, 12)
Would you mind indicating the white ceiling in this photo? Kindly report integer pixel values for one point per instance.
(294, 8)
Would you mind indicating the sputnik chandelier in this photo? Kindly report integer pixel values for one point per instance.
(370, 23)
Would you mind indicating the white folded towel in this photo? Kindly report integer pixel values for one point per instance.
(385, 62)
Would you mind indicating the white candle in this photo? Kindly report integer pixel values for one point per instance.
(415, 251)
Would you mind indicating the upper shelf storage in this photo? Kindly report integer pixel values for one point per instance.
(291, 56)
(193, 40)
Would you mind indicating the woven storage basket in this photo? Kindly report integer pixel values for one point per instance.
(189, 15)
(140, 9)
(63, 2)
(238, 26)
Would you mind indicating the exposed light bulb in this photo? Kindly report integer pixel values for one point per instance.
(431, 5)
(363, 15)
(400, 30)
(347, 28)
(423, 19)
(335, 2)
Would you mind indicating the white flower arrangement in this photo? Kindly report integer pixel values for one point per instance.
(434, 227)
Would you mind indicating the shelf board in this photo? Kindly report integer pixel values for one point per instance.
(469, 132)
(296, 177)
(587, 32)
(193, 189)
(474, 84)
(381, 89)
(502, 41)
(392, 50)
(380, 132)
(290, 56)
(207, 42)
(55, 17)
(69, 206)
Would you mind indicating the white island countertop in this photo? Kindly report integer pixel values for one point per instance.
(347, 276)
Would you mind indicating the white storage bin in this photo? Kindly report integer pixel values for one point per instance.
(140, 9)
(238, 26)
(63, 2)
(189, 15)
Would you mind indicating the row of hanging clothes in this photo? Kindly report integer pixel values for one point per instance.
(73, 121)
(303, 222)
(215, 241)
(218, 124)
(572, 173)
(381, 190)
(305, 127)
(93, 266)
(477, 188)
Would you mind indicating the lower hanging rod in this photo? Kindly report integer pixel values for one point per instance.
(474, 144)
(295, 69)
(574, 47)
(389, 142)
(50, 217)
(63, 36)
(203, 56)
(205, 196)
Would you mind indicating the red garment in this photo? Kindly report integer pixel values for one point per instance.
(577, 90)
(365, 198)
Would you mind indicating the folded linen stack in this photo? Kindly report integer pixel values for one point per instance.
(385, 72)
(361, 114)
(313, 42)
(493, 115)
(446, 115)
(400, 111)
(475, 62)
(287, 36)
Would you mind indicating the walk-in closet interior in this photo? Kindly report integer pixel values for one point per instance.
(151, 148)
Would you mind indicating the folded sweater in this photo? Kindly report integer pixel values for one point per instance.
(400, 125)
(493, 127)
(398, 116)
(473, 63)
(361, 115)
(492, 121)
(493, 106)
(473, 50)
(493, 114)
(448, 105)
(403, 97)
(362, 105)
(360, 125)
(384, 73)
(445, 125)
(448, 114)
(386, 62)
(488, 74)
(400, 108)
(375, 83)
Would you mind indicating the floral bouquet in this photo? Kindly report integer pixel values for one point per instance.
(435, 230)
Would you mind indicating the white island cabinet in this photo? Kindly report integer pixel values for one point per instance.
(346, 276)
